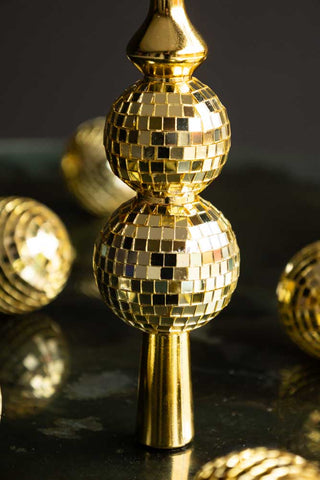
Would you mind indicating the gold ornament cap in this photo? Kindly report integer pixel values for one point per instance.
(167, 44)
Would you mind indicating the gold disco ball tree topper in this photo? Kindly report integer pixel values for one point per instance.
(167, 262)
(299, 299)
(35, 255)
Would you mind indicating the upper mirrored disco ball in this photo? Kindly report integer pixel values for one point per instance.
(169, 137)
(87, 172)
(299, 299)
(33, 363)
(257, 464)
(35, 255)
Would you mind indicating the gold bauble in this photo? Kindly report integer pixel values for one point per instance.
(167, 268)
(169, 137)
(35, 255)
(88, 174)
(33, 363)
(259, 464)
(299, 299)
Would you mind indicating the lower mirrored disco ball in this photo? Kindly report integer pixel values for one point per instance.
(167, 268)
(299, 299)
(259, 463)
(35, 255)
(87, 171)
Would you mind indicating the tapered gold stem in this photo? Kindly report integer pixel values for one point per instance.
(165, 418)
(164, 6)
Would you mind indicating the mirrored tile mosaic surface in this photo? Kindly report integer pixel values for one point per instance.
(299, 298)
(87, 172)
(33, 363)
(167, 268)
(168, 137)
(35, 255)
(259, 463)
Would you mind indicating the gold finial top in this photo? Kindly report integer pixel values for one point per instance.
(167, 44)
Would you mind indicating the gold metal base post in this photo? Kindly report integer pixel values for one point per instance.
(165, 414)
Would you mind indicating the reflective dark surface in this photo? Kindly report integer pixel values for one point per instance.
(252, 386)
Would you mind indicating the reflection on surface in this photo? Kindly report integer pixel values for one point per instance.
(299, 406)
(33, 363)
(175, 465)
(311, 431)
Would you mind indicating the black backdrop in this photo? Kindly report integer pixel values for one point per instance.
(63, 61)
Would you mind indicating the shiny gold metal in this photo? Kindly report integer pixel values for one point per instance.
(33, 363)
(167, 268)
(167, 44)
(167, 261)
(87, 172)
(160, 397)
(168, 138)
(35, 255)
(299, 299)
(258, 464)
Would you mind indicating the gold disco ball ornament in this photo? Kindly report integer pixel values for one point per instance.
(88, 174)
(167, 261)
(167, 268)
(168, 138)
(35, 255)
(33, 363)
(299, 299)
(259, 464)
